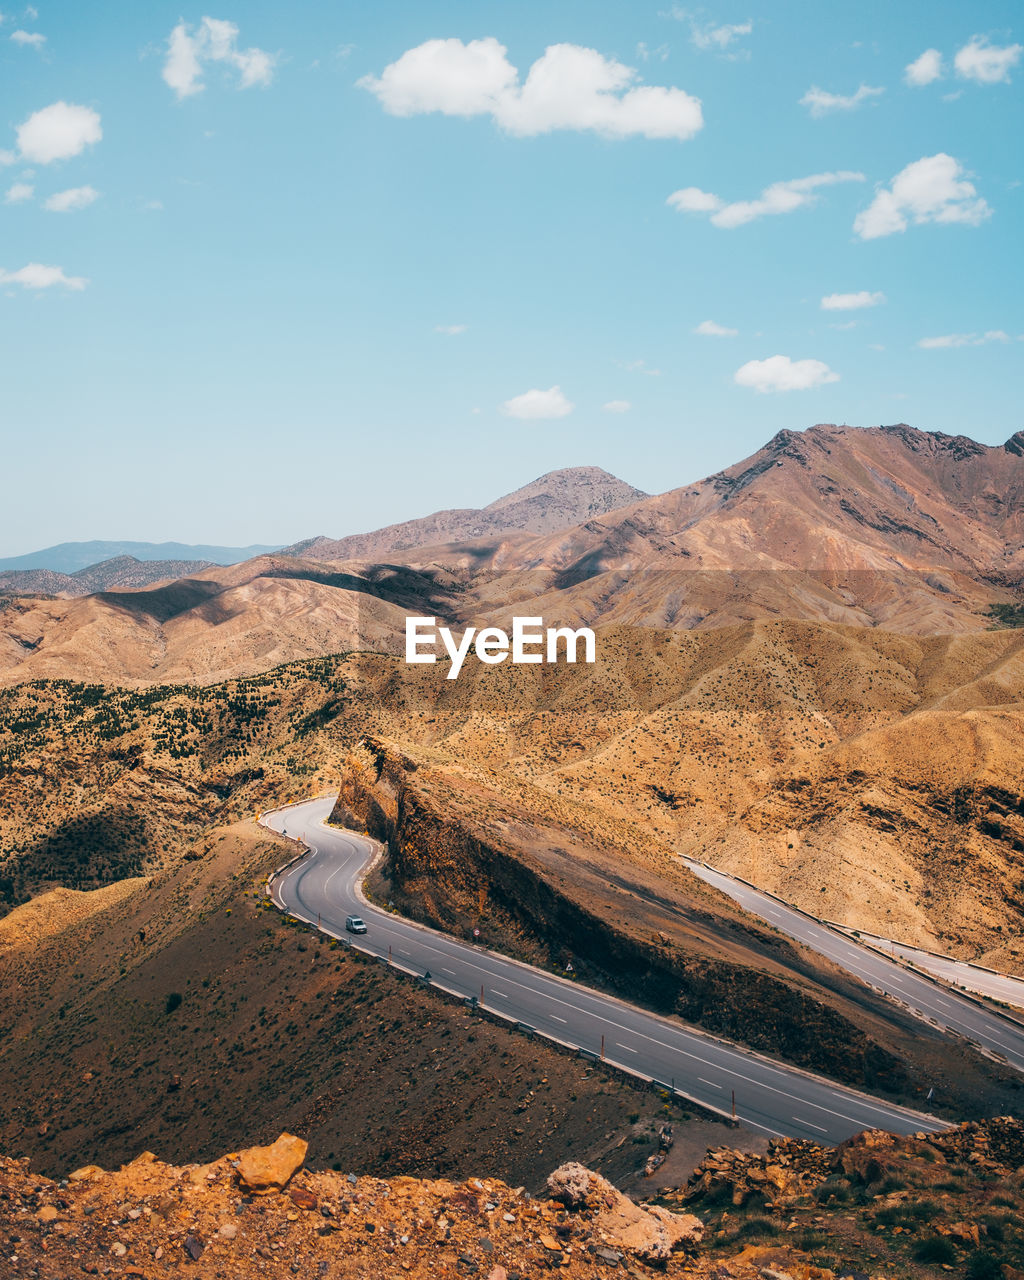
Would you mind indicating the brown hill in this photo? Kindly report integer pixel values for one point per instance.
(120, 571)
(880, 526)
(225, 621)
(552, 502)
(830, 498)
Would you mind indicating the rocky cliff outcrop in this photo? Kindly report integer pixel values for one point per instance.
(148, 1218)
(876, 1207)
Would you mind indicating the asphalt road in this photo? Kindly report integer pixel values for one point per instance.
(941, 1006)
(999, 986)
(773, 1098)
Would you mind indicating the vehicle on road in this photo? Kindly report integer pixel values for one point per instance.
(354, 924)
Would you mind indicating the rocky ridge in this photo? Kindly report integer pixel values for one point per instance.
(878, 1206)
(260, 1211)
(119, 572)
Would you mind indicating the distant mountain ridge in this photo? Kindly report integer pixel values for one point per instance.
(554, 501)
(70, 557)
(121, 571)
(892, 528)
(825, 499)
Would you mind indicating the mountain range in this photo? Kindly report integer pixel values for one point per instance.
(120, 571)
(70, 557)
(886, 527)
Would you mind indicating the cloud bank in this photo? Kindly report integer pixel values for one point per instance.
(568, 87)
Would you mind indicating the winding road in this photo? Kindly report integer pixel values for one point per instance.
(940, 1005)
(323, 887)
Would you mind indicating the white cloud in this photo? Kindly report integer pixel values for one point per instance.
(645, 54)
(932, 189)
(213, 40)
(19, 192)
(568, 87)
(819, 102)
(709, 329)
(964, 339)
(617, 406)
(33, 38)
(538, 404)
(73, 198)
(780, 197)
(58, 132)
(720, 38)
(35, 276)
(925, 69)
(780, 373)
(693, 200)
(7, 157)
(851, 301)
(450, 330)
(987, 63)
(638, 366)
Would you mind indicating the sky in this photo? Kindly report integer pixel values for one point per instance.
(274, 271)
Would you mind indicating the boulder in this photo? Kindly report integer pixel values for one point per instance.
(649, 1232)
(267, 1169)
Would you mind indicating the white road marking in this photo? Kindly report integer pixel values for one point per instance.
(557, 1018)
(628, 1047)
(801, 1120)
(710, 1082)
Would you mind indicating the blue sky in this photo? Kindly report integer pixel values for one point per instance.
(261, 235)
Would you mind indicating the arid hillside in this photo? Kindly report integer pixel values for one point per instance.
(869, 776)
(224, 622)
(180, 1012)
